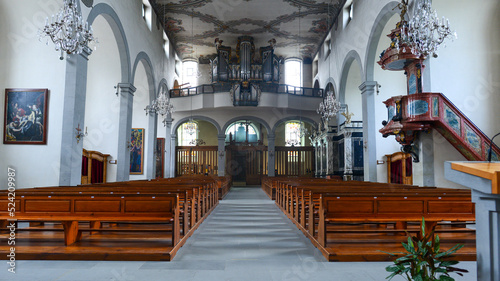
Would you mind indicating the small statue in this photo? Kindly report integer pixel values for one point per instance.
(347, 116)
(404, 9)
(218, 43)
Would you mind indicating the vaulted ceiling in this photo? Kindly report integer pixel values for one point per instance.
(294, 24)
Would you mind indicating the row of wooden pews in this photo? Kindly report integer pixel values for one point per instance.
(355, 221)
(135, 220)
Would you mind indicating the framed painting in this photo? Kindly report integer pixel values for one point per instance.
(25, 119)
(160, 158)
(137, 151)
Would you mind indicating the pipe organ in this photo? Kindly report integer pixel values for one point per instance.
(245, 71)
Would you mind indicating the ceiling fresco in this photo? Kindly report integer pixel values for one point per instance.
(298, 26)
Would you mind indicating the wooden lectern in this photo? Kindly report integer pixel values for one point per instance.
(483, 178)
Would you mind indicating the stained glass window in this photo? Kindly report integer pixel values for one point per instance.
(186, 134)
(292, 134)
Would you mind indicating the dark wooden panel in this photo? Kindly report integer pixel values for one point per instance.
(346, 207)
(448, 207)
(138, 206)
(97, 206)
(47, 205)
(398, 207)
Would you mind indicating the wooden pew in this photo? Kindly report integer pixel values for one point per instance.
(199, 200)
(388, 208)
(326, 210)
(74, 208)
(195, 199)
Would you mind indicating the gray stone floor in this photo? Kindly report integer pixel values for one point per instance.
(246, 238)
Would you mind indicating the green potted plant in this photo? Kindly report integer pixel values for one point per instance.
(423, 260)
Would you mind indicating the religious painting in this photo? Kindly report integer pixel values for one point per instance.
(137, 151)
(25, 119)
(160, 157)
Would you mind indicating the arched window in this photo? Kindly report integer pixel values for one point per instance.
(187, 134)
(293, 72)
(189, 73)
(292, 134)
(242, 132)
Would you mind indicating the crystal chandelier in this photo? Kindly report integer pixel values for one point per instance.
(329, 107)
(302, 131)
(161, 105)
(68, 30)
(425, 32)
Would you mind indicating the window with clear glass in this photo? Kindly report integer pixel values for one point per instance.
(147, 13)
(293, 73)
(189, 70)
(348, 12)
(187, 134)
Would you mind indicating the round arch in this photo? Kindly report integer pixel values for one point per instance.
(316, 84)
(346, 65)
(290, 118)
(148, 66)
(163, 82)
(114, 22)
(378, 26)
(330, 80)
(196, 117)
(251, 118)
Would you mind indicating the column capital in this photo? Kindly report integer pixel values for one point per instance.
(271, 137)
(367, 86)
(126, 88)
(86, 52)
(221, 137)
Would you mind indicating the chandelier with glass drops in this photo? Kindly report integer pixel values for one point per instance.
(425, 32)
(329, 107)
(191, 126)
(68, 30)
(161, 105)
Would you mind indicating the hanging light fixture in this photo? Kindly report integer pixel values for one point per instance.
(68, 30)
(191, 126)
(197, 74)
(330, 106)
(425, 32)
(161, 105)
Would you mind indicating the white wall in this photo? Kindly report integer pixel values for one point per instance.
(102, 106)
(352, 92)
(25, 62)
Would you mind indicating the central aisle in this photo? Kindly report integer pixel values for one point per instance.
(247, 237)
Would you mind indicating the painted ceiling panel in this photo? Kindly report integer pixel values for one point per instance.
(193, 25)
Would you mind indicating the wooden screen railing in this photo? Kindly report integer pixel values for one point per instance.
(94, 166)
(294, 161)
(196, 160)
